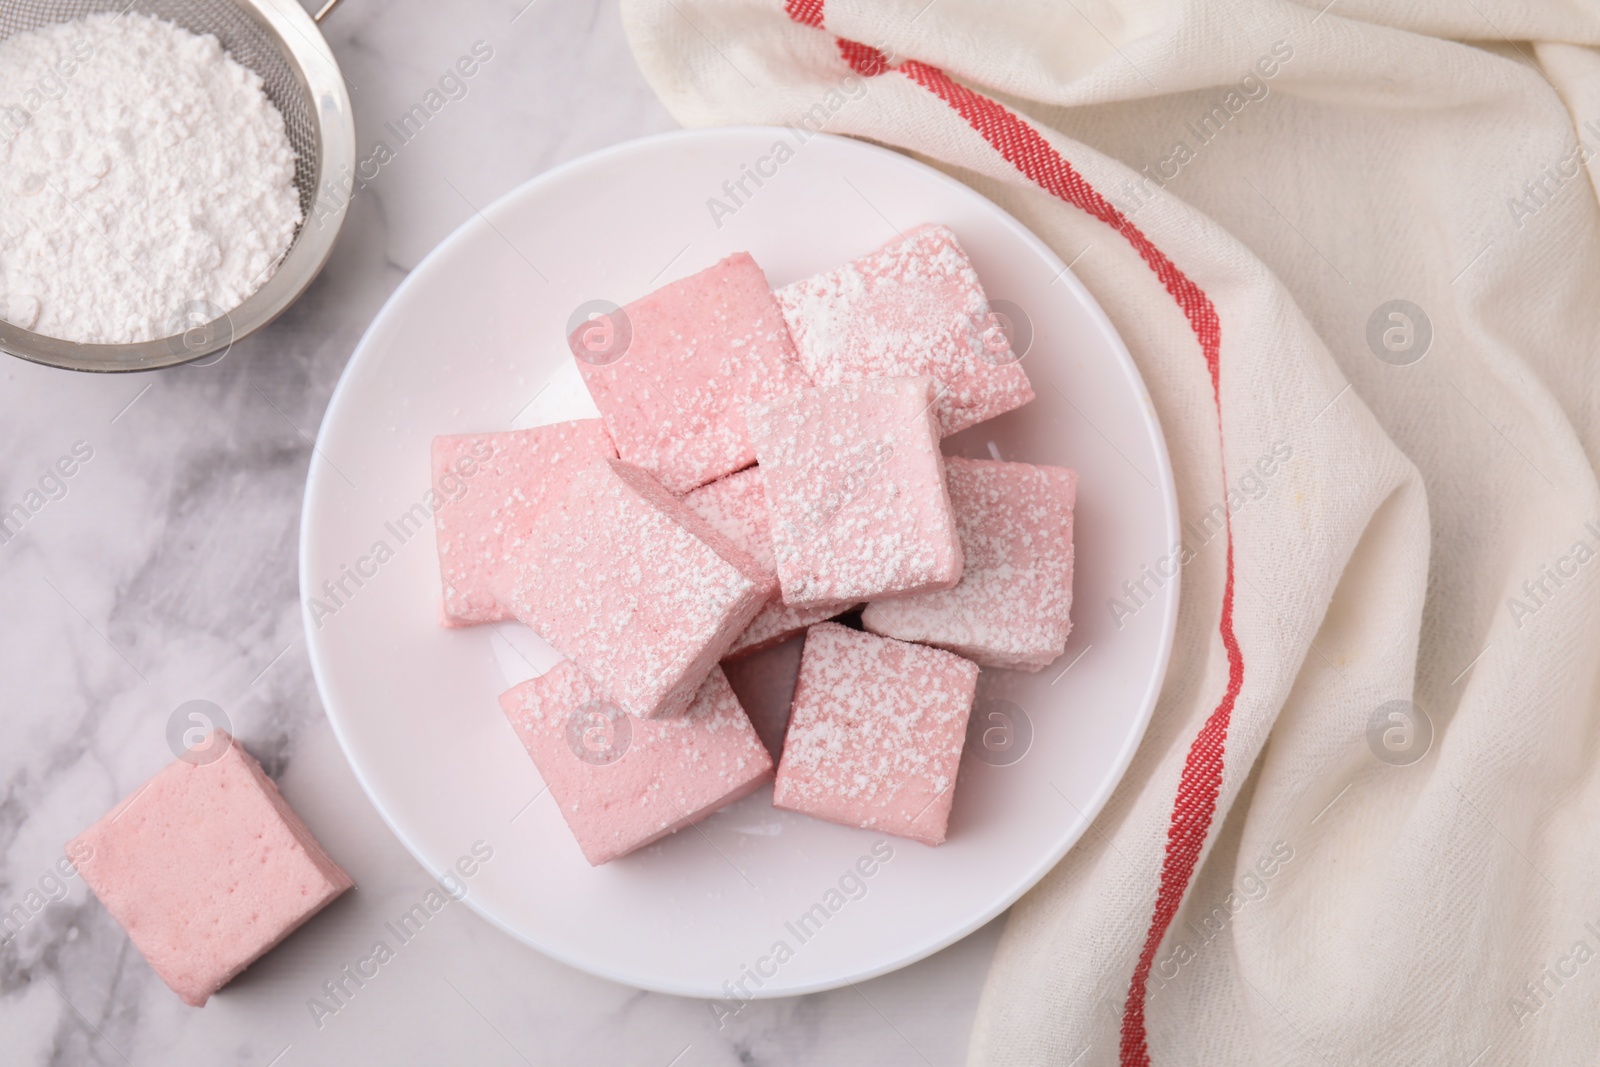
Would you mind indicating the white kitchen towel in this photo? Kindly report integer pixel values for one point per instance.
(1364, 825)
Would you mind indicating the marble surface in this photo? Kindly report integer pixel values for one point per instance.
(163, 571)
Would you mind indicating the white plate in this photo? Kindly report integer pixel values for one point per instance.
(473, 341)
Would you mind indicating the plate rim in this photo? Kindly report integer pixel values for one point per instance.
(1167, 486)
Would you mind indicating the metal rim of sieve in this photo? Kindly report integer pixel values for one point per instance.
(281, 42)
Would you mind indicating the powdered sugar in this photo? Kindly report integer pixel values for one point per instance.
(144, 177)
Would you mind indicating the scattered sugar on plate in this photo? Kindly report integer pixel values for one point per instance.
(145, 178)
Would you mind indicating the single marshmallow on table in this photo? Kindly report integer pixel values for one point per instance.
(737, 506)
(1012, 606)
(674, 388)
(636, 589)
(622, 784)
(876, 733)
(855, 484)
(490, 487)
(206, 868)
(913, 307)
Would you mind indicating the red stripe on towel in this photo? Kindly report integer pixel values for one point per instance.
(864, 59)
(805, 12)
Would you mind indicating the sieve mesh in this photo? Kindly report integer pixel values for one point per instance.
(246, 39)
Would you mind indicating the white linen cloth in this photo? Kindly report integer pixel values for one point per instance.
(1280, 879)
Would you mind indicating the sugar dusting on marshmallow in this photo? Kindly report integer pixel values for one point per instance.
(635, 588)
(737, 506)
(855, 484)
(876, 733)
(914, 307)
(1012, 607)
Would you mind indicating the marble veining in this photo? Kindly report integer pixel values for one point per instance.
(164, 570)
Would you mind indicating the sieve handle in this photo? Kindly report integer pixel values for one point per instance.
(325, 11)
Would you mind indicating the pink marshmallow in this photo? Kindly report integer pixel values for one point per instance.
(491, 486)
(855, 484)
(737, 507)
(206, 868)
(914, 307)
(1012, 607)
(876, 732)
(701, 349)
(636, 589)
(622, 784)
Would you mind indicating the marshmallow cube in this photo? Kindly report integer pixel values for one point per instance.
(855, 484)
(673, 395)
(914, 307)
(1012, 607)
(876, 732)
(490, 488)
(737, 506)
(206, 868)
(622, 784)
(636, 589)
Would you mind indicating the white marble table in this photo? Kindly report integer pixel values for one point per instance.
(165, 572)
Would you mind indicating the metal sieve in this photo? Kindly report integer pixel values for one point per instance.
(279, 41)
